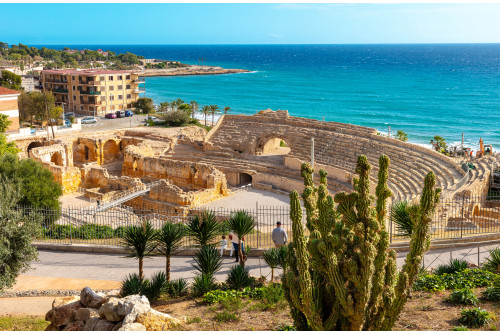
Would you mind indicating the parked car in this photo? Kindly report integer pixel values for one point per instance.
(120, 113)
(129, 113)
(152, 118)
(69, 114)
(89, 120)
(111, 115)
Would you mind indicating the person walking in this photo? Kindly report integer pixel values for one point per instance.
(234, 238)
(223, 245)
(279, 236)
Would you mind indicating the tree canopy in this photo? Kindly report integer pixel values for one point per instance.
(10, 80)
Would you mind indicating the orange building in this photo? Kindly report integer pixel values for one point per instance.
(8, 106)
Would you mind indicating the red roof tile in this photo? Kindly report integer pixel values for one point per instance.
(86, 71)
(6, 91)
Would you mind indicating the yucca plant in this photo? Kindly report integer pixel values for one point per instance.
(271, 257)
(177, 288)
(155, 286)
(455, 266)
(168, 240)
(207, 260)
(139, 241)
(401, 218)
(242, 224)
(282, 256)
(131, 285)
(492, 263)
(238, 278)
(204, 228)
(203, 284)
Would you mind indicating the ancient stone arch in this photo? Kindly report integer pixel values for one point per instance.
(270, 143)
(111, 151)
(57, 159)
(33, 145)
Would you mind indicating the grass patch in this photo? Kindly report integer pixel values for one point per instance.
(227, 316)
(195, 320)
(23, 323)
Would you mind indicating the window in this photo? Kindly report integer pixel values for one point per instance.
(81, 108)
(128, 86)
(120, 97)
(111, 97)
(127, 77)
(112, 108)
(72, 77)
(74, 98)
(110, 78)
(103, 88)
(101, 78)
(120, 77)
(129, 96)
(111, 88)
(120, 87)
(74, 87)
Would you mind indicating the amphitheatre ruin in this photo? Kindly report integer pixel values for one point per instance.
(188, 167)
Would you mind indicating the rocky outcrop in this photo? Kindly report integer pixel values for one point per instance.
(93, 311)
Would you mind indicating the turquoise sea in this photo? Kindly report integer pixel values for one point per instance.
(423, 89)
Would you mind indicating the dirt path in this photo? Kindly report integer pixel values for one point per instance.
(25, 306)
(28, 282)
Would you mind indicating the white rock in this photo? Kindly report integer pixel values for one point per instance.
(115, 309)
(89, 298)
(135, 326)
(135, 311)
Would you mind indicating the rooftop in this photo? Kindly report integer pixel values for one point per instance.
(86, 71)
(6, 91)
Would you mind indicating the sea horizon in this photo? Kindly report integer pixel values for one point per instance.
(423, 89)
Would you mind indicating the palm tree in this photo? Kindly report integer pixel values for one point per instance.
(214, 109)
(205, 110)
(226, 109)
(194, 107)
(401, 135)
(271, 257)
(168, 241)
(439, 143)
(400, 215)
(139, 241)
(241, 223)
(204, 228)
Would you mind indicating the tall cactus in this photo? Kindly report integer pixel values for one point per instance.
(343, 276)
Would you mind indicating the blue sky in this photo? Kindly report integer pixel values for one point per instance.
(170, 23)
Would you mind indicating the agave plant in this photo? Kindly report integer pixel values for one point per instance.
(178, 287)
(155, 286)
(204, 228)
(401, 218)
(203, 284)
(492, 263)
(271, 257)
(139, 241)
(242, 224)
(207, 260)
(131, 285)
(168, 240)
(239, 278)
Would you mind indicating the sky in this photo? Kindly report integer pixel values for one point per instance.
(169, 23)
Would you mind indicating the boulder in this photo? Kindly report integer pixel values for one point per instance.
(117, 326)
(113, 293)
(157, 321)
(60, 301)
(137, 309)
(63, 315)
(104, 325)
(115, 309)
(86, 313)
(90, 324)
(74, 326)
(51, 328)
(135, 326)
(89, 298)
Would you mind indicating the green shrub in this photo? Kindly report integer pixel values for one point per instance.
(468, 278)
(216, 296)
(176, 118)
(131, 285)
(238, 278)
(460, 328)
(94, 231)
(60, 232)
(177, 288)
(273, 294)
(155, 287)
(493, 261)
(208, 260)
(285, 327)
(227, 316)
(492, 293)
(463, 296)
(475, 317)
(203, 284)
(120, 231)
(454, 266)
(232, 303)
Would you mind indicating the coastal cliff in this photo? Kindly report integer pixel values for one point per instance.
(189, 70)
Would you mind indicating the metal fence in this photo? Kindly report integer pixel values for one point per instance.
(453, 219)
(458, 217)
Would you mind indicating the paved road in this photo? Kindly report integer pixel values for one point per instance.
(116, 267)
(104, 124)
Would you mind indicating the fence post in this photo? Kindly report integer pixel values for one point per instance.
(258, 222)
(478, 257)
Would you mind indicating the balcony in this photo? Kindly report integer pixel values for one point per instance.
(90, 92)
(90, 82)
(138, 91)
(59, 90)
(139, 81)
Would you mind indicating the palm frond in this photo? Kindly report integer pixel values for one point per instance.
(242, 223)
(400, 215)
(204, 228)
(139, 240)
(169, 237)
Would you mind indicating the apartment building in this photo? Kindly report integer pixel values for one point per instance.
(93, 92)
(8, 106)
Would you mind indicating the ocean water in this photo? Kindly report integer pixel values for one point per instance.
(424, 90)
